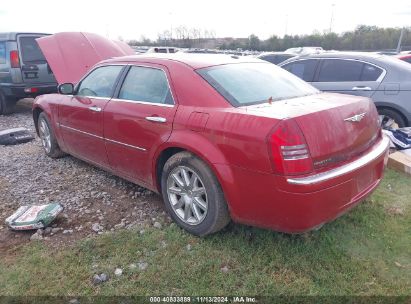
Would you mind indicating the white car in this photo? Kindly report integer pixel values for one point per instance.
(162, 49)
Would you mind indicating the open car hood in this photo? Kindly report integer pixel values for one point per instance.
(72, 54)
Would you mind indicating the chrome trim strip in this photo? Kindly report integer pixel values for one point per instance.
(127, 145)
(86, 133)
(295, 152)
(296, 157)
(144, 102)
(324, 176)
(99, 137)
(293, 147)
(93, 97)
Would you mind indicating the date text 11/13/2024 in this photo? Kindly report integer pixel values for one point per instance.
(202, 299)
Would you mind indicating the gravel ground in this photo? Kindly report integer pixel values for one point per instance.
(94, 201)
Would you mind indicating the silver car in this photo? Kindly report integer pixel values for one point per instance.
(385, 79)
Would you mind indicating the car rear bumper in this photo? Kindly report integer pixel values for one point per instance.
(296, 205)
(376, 152)
(27, 90)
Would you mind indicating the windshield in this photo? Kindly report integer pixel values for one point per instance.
(253, 83)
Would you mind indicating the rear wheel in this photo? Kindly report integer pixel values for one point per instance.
(192, 195)
(388, 117)
(48, 139)
(6, 105)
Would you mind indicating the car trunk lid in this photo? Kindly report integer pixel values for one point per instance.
(72, 54)
(336, 127)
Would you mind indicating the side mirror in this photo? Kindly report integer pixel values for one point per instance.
(66, 88)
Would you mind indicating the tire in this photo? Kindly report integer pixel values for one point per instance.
(6, 105)
(199, 205)
(388, 114)
(48, 139)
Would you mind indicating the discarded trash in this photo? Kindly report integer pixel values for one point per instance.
(400, 161)
(399, 138)
(15, 136)
(33, 217)
(406, 132)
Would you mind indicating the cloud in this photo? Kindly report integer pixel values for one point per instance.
(131, 19)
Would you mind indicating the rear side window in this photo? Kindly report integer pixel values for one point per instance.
(276, 59)
(370, 72)
(253, 83)
(2, 53)
(305, 69)
(100, 82)
(335, 70)
(147, 85)
(30, 50)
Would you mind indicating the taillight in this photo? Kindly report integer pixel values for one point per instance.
(289, 151)
(31, 90)
(14, 59)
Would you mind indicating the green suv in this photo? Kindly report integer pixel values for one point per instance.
(24, 72)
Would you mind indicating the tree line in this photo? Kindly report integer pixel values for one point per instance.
(363, 37)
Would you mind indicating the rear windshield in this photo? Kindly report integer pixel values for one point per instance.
(30, 50)
(2, 53)
(253, 83)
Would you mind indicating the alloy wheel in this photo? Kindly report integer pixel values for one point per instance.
(187, 195)
(45, 135)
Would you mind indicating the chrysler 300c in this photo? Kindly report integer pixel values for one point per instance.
(220, 138)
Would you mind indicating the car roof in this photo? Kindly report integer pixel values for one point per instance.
(277, 53)
(194, 60)
(384, 61)
(7, 36)
(403, 56)
(347, 55)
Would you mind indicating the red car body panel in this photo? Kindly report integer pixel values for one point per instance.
(233, 142)
(72, 54)
(405, 57)
(74, 115)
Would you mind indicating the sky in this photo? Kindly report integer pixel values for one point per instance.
(128, 19)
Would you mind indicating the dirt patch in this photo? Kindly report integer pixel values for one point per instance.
(91, 197)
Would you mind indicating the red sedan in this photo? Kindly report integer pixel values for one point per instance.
(404, 57)
(219, 137)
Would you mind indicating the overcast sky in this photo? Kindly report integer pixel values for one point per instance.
(132, 19)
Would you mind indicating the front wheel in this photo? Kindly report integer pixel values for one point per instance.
(48, 139)
(193, 196)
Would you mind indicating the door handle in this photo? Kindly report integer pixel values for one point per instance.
(361, 89)
(156, 119)
(95, 109)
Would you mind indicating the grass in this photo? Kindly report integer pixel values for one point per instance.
(367, 252)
